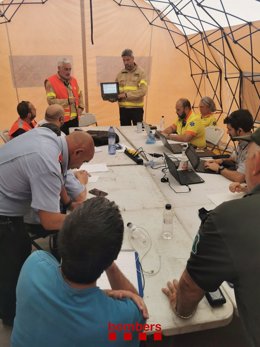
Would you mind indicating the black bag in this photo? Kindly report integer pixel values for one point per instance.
(100, 137)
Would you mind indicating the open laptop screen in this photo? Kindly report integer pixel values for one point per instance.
(109, 90)
(192, 156)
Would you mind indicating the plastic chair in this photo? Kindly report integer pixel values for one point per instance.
(87, 119)
(213, 135)
(4, 134)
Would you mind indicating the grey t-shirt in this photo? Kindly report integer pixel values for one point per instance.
(32, 169)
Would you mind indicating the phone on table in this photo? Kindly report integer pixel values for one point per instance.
(97, 192)
(215, 298)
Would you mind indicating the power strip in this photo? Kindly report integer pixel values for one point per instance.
(134, 157)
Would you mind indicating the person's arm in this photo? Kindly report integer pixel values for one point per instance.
(51, 96)
(232, 175)
(118, 280)
(170, 130)
(187, 137)
(184, 295)
(132, 95)
(51, 220)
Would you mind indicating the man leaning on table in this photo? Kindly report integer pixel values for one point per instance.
(60, 305)
(239, 123)
(32, 170)
(187, 127)
(226, 248)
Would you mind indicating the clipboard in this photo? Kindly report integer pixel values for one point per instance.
(129, 263)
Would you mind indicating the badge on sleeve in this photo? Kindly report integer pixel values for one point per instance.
(192, 124)
(196, 241)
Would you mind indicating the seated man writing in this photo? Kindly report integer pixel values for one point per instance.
(239, 123)
(188, 127)
(60, 304)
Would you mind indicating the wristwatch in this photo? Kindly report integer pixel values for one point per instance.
(221, 167)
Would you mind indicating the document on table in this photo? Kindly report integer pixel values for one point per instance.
(128, 263)
(94, 167)
(219, 198)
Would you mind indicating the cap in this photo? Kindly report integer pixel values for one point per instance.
(255, 137)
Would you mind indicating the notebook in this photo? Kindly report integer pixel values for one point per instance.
(184, 177)
(196, 163)
(128, 263)
(109, 90)
(175, 148)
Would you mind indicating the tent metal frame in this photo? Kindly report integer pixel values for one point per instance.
(202, 47)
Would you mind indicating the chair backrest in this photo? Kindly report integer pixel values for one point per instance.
(87, 119)
(214, 134)
(4, 134)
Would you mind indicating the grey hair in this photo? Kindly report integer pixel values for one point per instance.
(206, 100)
(127, 53)
(63, 61)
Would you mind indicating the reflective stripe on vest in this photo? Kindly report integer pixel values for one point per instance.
(61, 92)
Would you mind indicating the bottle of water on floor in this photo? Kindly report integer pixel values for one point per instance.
(167, 227)
(111, 141)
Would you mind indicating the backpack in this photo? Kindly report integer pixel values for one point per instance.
(100, 137)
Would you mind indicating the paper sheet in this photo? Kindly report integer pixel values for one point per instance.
(219, 198)
(94, 167)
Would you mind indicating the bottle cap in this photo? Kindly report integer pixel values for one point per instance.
(168, 206)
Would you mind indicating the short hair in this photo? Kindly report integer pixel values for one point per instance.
(206, 100)
(127, 53)
(54, 112)
(240, 119)
(23, 108)
(52, 127)
(90, 240)
(185, 103)
(63, 61)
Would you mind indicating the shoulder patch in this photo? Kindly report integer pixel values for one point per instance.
(195, 244)
(192, 124)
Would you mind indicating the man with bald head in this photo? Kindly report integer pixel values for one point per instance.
(32, 171)
(54, 114)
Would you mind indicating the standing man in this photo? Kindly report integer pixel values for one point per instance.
(132, 88)
(32, 170)
(63, 89)
(188, 127)
(25, 122)
(239, 123)
(226, 248)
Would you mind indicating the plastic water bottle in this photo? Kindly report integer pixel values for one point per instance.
(150, 139)
(167, 222)
(162, 124)
(138, 235)
(111, 141)
(183, 165)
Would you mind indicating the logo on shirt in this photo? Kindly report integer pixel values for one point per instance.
(192, 124)
(196, 241)
(131, 330)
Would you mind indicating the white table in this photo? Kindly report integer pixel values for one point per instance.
(141, 197)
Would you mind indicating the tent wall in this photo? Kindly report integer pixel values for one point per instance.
(38, 35)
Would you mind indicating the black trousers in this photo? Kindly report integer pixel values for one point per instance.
(70, 124)
(129, 116)
(15, 247)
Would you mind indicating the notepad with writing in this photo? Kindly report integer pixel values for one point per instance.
(128, 263)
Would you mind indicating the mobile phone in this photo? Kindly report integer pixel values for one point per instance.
(97, 192)
(215, 298)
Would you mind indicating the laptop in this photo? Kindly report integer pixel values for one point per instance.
(196, 163)
(109, 90)
(184, 177)
(175, 148)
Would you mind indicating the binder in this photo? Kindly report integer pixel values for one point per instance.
(129, 263)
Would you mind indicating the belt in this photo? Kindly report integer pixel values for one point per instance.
(10, 218)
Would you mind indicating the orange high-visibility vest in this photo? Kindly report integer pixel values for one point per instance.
(21, 124)
(62, 93)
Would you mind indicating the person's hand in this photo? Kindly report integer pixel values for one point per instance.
(121, 294)
(211, 165)
(79, 111)
(171, 292)
(72, 100)
(82, 176)
(236, 187)
(121, 96)
(112, 100)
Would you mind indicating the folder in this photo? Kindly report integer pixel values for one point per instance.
(129, 264)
